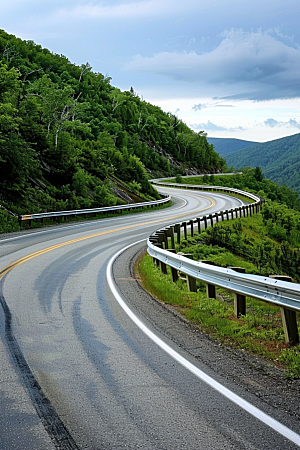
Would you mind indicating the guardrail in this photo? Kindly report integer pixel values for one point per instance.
(275, 289)
(105, 209)
(205, 187)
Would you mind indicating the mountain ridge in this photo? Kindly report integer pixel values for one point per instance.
(279, 160)
(228, 145)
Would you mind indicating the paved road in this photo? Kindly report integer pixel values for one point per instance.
(77, 372)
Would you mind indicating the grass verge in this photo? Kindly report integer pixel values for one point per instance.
(260, 332)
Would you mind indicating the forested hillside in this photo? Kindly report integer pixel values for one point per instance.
(223, 146)
(279, 160)
(69, 139)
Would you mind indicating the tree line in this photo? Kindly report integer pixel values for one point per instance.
(66, 135)
(270, 240)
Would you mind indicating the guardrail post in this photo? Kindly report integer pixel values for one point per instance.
(184, 230)
(155, 260)
(239, 299)
(210, 288)
(199, 224)
(171, 235)
(288, 317)
(161, 238)
(191, 282)
(191, 223)
(163, 266)
(177, 230)
(227, 214)
(174, 272)
(205, 222)
(211, 220)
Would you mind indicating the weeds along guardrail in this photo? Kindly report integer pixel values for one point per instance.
(275, 289)
(85, 212)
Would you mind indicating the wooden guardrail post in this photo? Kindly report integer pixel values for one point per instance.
(199, 224)
(161, 238)
(191, 281)
(177, 229)
(163, 266)
(239, 299)
(184, 229)
(156, 260)
(174, 272)
(191, 223)
(171, 235)
(288, 317)
(210, 288)
(205, 222)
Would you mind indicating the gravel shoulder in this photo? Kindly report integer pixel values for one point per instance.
(249, 373)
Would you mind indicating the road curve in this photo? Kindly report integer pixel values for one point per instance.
(77, 373)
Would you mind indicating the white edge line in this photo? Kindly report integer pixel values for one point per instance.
(82, 224)
(251, 409)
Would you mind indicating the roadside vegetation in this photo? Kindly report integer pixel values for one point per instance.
(71, 140)
(250, 180)
(264, 244)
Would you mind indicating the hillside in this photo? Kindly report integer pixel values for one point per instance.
(224, 146)
(67, 135)
(278, 159)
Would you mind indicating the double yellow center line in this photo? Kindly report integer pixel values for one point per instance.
(16, 263)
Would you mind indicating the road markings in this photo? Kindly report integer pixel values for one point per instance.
(230, 395)
(16, 263)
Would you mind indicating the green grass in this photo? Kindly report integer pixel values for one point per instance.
(260, 332)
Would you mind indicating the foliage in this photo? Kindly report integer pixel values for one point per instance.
(178, 178)
(252, 180)
(259, 332)
(279, 160)
(224, 146)
(66, 133)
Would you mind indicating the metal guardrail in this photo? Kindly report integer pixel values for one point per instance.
(278, 292)
(205, 187)
(272, 290)
(105, 209)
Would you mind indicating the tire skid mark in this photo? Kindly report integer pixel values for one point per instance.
(48, 415)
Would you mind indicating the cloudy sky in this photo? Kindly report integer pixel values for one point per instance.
(228, 67)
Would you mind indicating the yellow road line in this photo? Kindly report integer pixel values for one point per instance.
(16, 263)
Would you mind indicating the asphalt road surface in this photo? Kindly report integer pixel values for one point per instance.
(85, 361)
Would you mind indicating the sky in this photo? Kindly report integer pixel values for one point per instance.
(230, 68)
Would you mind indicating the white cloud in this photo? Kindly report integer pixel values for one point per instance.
(199, 107)
(210, 126)
(255, 65)
(272, 123)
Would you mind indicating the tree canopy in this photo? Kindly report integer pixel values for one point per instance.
(66, 135)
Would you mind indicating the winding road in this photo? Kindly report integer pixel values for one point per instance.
(89, 362)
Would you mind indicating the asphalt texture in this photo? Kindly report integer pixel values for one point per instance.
(77, 373)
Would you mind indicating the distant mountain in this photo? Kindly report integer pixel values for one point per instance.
(279, 160)
(223, 146)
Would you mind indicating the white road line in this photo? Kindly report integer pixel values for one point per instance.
(82, 224)
(251, 409)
